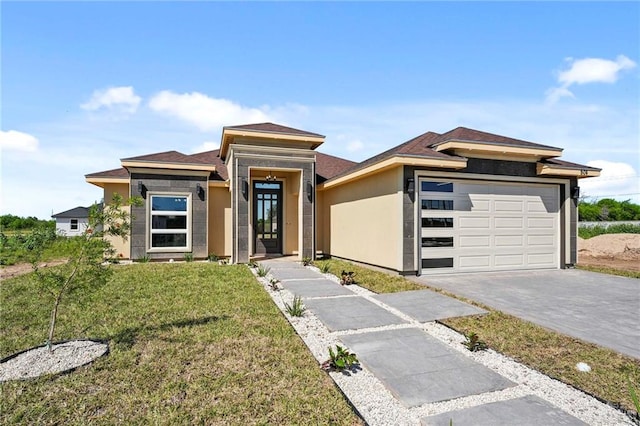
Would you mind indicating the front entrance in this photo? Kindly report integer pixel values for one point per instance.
(267, 217)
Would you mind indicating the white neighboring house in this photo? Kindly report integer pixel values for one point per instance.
(72, 222)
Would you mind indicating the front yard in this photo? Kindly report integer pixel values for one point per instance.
(190, 343)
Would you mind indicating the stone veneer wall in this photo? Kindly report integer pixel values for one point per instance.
(170, 184)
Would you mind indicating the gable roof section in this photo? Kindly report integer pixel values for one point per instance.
(556, 167)
(119, 173)
(272, 128)
(75, 213)
(213, 157)
(328, 166)
(167, 160)
(463, 140)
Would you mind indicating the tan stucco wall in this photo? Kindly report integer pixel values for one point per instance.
(122, 247)
(219, 237)
(290, 219)
(362, 220)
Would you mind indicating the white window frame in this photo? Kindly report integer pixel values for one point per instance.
(151, 231)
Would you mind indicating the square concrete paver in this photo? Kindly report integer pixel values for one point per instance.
(320, 287)
(284, 274)
(419, 369)
(427, 305)
(526, 411)
(351, 313)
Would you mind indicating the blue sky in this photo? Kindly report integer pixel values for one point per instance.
(85, 84)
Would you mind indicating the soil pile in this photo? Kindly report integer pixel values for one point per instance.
(617, 251)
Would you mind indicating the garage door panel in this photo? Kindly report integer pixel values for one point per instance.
(509, 222)
(466, 241)
(474, 222)
(479, 261)
(496, 226)
(509, 240)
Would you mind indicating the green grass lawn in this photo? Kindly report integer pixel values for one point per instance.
(191, 343)
(547, 351)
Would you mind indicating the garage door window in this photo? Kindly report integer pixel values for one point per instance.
(437, 222)
(429, 186)
(437, 242)
(441, 262)
(437, 204)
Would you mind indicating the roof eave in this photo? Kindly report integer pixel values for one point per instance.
(566, 171)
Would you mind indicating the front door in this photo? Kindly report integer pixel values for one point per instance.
(267, 217)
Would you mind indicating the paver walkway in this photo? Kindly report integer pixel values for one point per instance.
(415, 367)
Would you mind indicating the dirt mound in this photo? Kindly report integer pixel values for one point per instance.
(625, 246)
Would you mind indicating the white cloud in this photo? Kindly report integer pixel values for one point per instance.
(206, 146)
(617, 180)
(588, 70)
(205, 112)
(121, 99)
(14, 140)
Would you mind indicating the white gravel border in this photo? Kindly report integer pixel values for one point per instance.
(39, 361)
(378, 406)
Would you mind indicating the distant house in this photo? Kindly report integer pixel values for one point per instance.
(72, 222)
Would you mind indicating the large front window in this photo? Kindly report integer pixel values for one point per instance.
(169, 222)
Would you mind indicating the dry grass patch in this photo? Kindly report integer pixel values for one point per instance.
(190, 343)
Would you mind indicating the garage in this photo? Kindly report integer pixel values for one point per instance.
(471, 226)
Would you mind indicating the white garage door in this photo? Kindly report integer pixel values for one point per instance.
(469, 226)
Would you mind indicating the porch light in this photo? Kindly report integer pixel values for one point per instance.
(270, 177)
(411, 185)
(575, 192)
(140, 186)
(309, 191)
(199, 190)
(244, 187)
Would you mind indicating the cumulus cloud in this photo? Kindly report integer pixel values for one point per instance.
(616, 180)
(205, 112)
(588, 70)
(14, 140)
(122, 99)
(355, 145)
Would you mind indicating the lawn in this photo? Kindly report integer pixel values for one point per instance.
(189, 343)
(547, 351)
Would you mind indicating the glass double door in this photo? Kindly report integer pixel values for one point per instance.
(267, 217)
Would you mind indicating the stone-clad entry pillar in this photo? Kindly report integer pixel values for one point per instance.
(245, 166)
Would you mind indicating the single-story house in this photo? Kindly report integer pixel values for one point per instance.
(72, 222)
(460, 201)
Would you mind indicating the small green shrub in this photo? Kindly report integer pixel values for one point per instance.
(587, 232)
(634, 395)
(212, 257)
(306, 261)
(347, 278)
(144, 259)
(188, 257)
(325, 267)
(253, 264)
(274, 284)
(473, 343)
(340, 359)
(262, 270)
(296, 308)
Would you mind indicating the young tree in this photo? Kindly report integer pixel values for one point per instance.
(85, 269)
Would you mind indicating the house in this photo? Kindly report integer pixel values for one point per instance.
(460, 201)
(72, 222)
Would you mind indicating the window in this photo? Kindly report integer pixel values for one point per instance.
(74, 224)
(443, 262)
(437, 222)
(437, 204)
(169, 222)
(437, 186)
(437, 242)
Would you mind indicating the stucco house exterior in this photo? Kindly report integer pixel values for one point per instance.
(460, 201)
(72, 222)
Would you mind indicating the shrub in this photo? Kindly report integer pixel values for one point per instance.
(340, 360)
(296, 308)
(212, 257)
(325, 267)
(262, 270)
(473, 343)
(188, 257)
(347, 278)
(587, 232)
(306, 261)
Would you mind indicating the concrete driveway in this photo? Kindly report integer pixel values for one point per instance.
(598, 308)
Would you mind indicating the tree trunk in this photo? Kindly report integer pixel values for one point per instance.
(52, 324)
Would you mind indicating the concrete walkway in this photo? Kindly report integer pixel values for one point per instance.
(598, 308)
(418, 369)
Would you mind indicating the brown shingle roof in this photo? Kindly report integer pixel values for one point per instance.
(163, 157)
(272, 128)
(212, 157)
(568, 164)
(328, 166)
(120, 173)
(470, 135)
